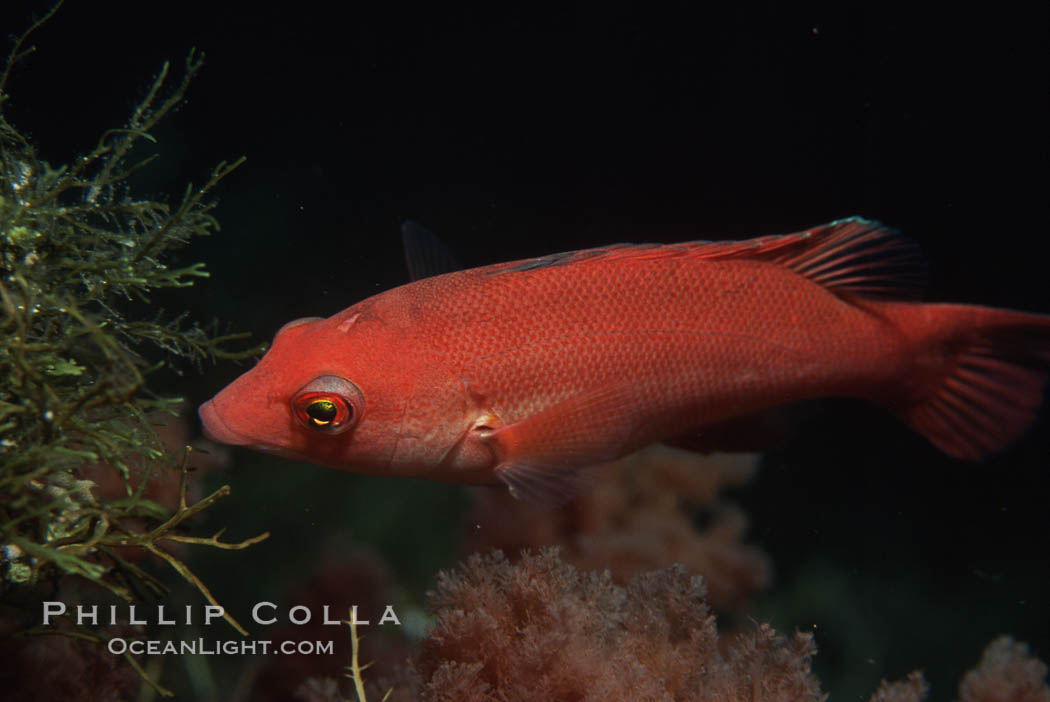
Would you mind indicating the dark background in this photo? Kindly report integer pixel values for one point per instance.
(514, 132)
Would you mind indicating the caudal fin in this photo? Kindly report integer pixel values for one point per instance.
(996, 371)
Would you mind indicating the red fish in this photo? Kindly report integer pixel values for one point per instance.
(527, 372)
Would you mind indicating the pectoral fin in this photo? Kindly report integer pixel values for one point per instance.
(544, 456)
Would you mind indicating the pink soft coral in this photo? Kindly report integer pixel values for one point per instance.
(539, 629)
(1007, 672)
(60, 667)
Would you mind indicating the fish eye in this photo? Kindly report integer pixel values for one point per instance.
(324, 411)
(328, 404)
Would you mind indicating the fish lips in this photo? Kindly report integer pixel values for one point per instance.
(216, 429)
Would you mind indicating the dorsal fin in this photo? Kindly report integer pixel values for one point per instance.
(425, 254)
(856, 256)
(849, 256)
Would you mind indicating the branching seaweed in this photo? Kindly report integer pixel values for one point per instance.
(355, 671)
(75, 247)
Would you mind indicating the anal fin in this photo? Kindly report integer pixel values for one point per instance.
(750, 433)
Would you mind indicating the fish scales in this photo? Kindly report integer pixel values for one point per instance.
(528, 372)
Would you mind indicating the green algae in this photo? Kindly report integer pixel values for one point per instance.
(78, 250)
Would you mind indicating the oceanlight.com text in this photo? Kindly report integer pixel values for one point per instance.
(200, 647)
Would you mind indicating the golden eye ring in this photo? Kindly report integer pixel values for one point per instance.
(328, 404)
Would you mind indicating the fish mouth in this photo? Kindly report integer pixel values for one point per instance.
(216, 429)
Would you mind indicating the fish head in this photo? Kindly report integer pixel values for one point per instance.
(329, 391)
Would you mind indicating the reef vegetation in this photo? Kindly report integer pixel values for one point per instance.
(80, 256)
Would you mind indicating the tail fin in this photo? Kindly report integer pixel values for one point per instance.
(996, 364)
